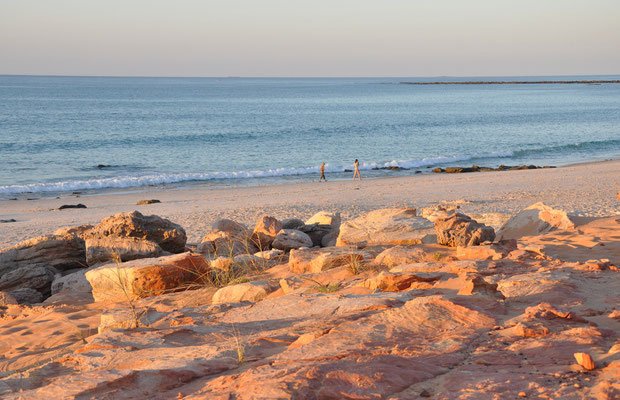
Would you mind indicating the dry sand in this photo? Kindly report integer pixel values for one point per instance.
(585, 189)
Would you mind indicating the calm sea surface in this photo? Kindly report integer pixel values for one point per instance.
(55, 131)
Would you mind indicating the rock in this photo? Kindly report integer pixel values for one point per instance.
(387, 226)
(435, 212)
(317, 232)
(227, 238)
(274, 254)
(400, 255)
(148, 276)
(79, 230)
(54, 252)
(145, 202)
(6, 221)
(325, 218)
(483, 252)
(460, 230)
(477, 285)
(265, 231)
(222, 263)
(75, 281)
(330, 238)
(288, 239)
(26, 295)
(288, 285)
(125, 319)
(251, 262)
(65, 206)
(534, 220)
(248, 291)
(292, 223)
(317, 260)
(395, 281)
(39, 278)
(6, 299)
(169, 236)
(585, 360)
(124, 248)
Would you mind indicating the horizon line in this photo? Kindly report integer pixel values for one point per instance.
(295, 77)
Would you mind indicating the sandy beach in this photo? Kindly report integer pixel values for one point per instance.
(583, 189)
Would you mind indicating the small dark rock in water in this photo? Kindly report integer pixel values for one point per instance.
(6, 221)
(71, 206)
(348, 170)
(418, 172)
(32, 198)
(102, 166)
(143, 202)
(76, 192)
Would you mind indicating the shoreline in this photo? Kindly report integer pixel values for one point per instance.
(587, 82)
(586, 189)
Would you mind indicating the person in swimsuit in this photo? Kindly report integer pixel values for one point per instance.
(323, 173)
(356, 166)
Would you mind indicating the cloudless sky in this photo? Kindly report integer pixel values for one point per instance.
(309, 37)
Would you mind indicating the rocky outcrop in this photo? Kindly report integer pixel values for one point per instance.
(102, 249)
(387, 226)
(396, 281)
(6, 299)
(288, 239)
(460, 230)
(148, 276)
(75, 281)
(325, 218)
(168, 235)
(534, 220)
(26, 295)
(39, 278)
(79, 230)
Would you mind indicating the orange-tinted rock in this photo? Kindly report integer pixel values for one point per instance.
(265, 231)
(148, 276)
(534, 220)
(531, 330)
(460, 230)
(585, 360)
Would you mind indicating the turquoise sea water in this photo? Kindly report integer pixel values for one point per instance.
(55, 131)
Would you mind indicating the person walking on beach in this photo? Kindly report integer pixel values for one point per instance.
(356, 166)
(323, 173)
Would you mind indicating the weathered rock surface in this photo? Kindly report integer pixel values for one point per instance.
(147, 277)
(396, 281)
(534, 220)
(317, 260)
(460, 230)
(227, 238)
(318, 232)
(53, 252)
(325, 218)
(102, 249)
(39, 278)
(387, 226)
(79, 230)
(265, 232)
(248, 291)
(7, 299)
(168, 235)
(288, 239)
(400, 255)
(75, 281)
(26, 295)
(292, 223)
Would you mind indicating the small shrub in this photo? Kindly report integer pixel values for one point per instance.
(438, 256)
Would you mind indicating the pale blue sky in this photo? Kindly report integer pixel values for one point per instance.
(310, 38)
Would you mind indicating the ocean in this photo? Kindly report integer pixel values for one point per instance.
(65, 134)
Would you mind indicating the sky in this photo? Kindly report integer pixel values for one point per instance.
(317, 38)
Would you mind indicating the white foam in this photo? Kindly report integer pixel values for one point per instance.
(127, 181)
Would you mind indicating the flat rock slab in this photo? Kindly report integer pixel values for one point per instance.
(247, 291)
(147, 277)
(102, 249)
(534, 220)
(387, 226)
(317, 260)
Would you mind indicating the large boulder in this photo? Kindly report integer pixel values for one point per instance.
(7, 299)
(288, 239)
(292, 223)
(265, 232)
(387, 226)
(325, 218)
(227, 238)
(317, 232)
(26, 295)
(148, 276)
(101, 249)
(57, 253)
(534, 220)
(396, 281)
(75, 281)
(247, 291)
(79, 230)
(317, 260)
(38, 278)
(168, 235)
(460, 230)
